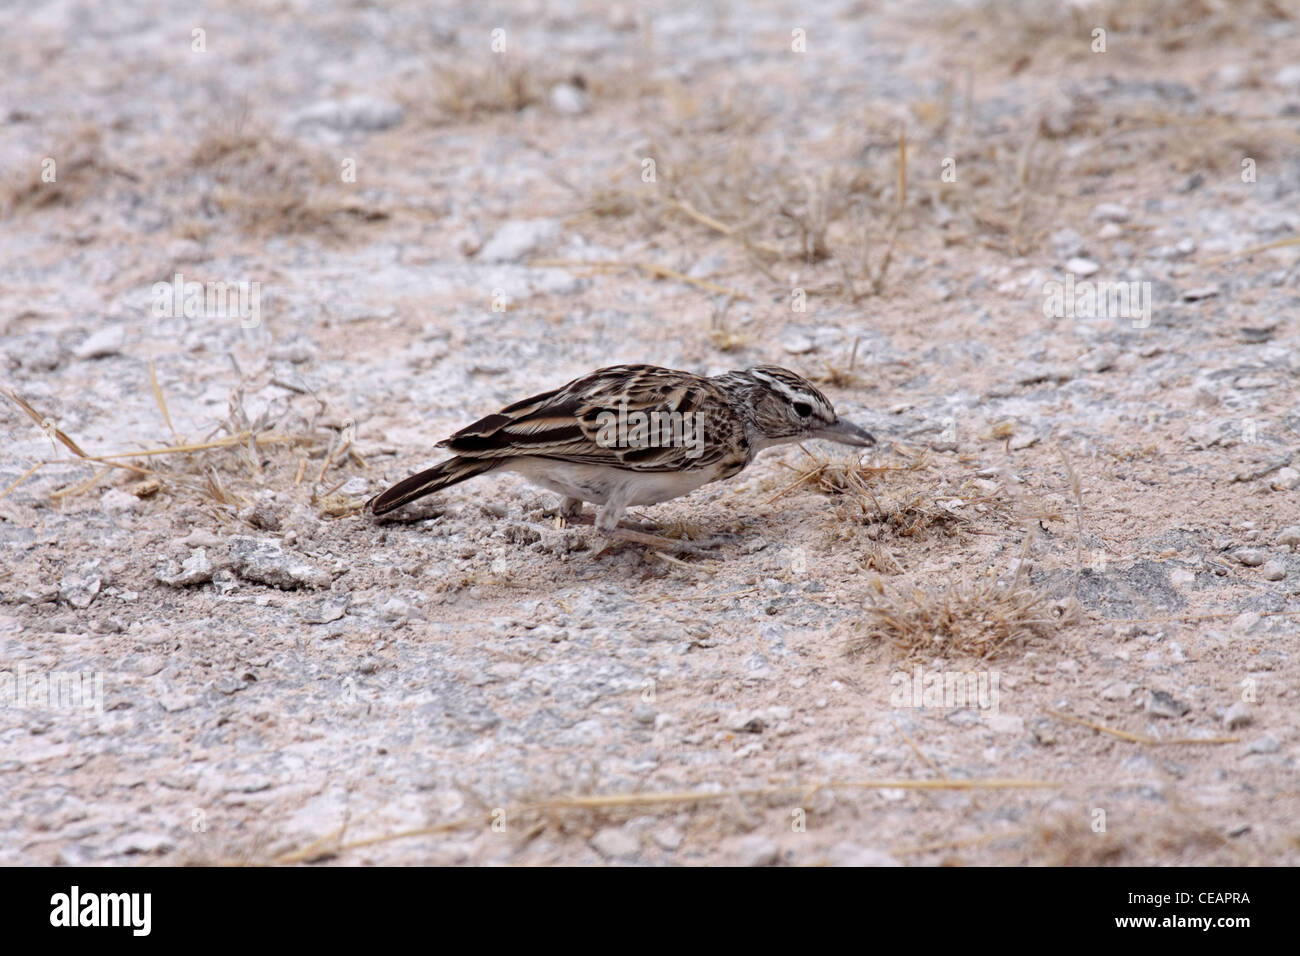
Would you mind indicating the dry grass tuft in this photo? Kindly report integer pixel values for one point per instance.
(465, 91)
(269, 185)
(970, 620)
(283, 446)
(891, 500)
(80, 171)
(1069, 840)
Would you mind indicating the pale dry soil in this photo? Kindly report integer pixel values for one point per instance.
(455, 668)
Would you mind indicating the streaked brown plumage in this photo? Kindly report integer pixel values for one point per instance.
(567, 439)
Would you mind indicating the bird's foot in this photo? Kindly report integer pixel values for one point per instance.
(655, 542)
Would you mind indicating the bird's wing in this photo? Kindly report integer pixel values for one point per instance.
(638, 417)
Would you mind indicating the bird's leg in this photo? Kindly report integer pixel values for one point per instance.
(606, 522)
(570, 511)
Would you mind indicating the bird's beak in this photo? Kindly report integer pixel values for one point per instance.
(846, 433)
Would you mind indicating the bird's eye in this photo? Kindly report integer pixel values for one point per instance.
(802, 409)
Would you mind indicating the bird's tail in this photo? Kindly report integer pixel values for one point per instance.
(450, 472)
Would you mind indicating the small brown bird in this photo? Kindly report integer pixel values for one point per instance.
(634, 435)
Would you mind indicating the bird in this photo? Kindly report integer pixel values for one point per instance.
(633, 435)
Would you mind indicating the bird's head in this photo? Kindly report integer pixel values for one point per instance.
(786, 408)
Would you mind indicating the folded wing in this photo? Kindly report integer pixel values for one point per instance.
(597, 419)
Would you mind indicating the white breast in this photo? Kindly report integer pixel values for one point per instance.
(598, 483)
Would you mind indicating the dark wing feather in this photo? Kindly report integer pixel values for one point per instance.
(564, 424)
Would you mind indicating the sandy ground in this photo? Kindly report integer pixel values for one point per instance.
(1105, 498)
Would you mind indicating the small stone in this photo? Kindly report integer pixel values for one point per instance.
(852, 854)
(355, 113)
(116, 501)
(518, 239)
(141, 842)
(1288, 78)
(1200, 292)
(79, 586)
(224, 581)
(1067, 243)
(1162, 704)
(1285, 479)
(1289, 537)
(1231, 74)
(1250, 557)
(798, 345)
(669, 838)
(1267, 744)
(356, 487)
(1005, 724)
(757, 850)
(101, 344)
(296, 350)
(330, 609)
(1238, 715)
(262, 516)
(570, 99)
(199, 538)
(1245, 622)
(195, 569)
(1100, 359)
(1110, 212)
(1081, 266)
(1273, 571)
(264, 561)
(1117, 691)
(615, 842)
(1109, 231)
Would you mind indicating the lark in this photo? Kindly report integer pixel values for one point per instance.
(634, 435)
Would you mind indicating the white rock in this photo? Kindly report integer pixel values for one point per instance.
(196, 569)
(758, 850)
(1081, 266)
(117, 501)
(851, 854)
(1288, 78)
(1238, 715)
(1285, 479)
(1289, 537)
(264, 561)
(1117, 691)
(1266, 744)
(80, 585)
(1250, 557)
(615, 842)
(669, 838)
(107, 341)
(798, 345)
(1110, 212)
(360, 113)
(1067, 243)
(567, 98)
(1273, 571)
(1005, 723)
(517, 239)
(1245, 622)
